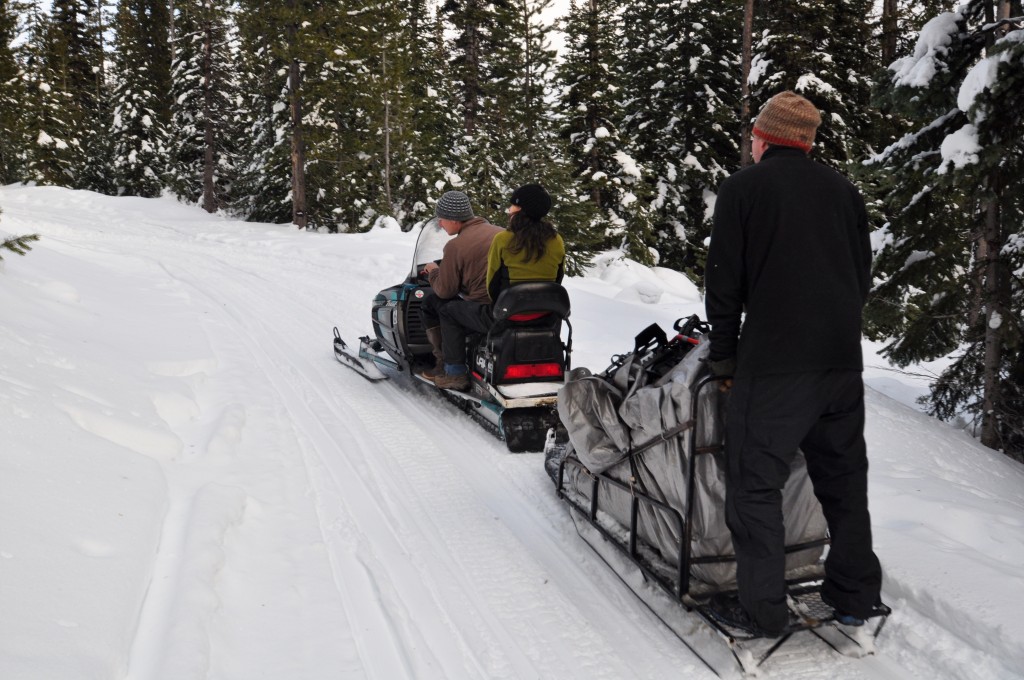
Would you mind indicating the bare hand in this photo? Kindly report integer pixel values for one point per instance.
(429, 267)
(725, 385)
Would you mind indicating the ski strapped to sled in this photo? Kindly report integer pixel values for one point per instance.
(807, 610)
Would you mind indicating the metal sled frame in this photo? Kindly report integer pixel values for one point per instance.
(804, 592)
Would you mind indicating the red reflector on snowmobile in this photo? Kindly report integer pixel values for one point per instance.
(520, 371)
(528, 317)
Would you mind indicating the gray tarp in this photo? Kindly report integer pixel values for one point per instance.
(606, 418)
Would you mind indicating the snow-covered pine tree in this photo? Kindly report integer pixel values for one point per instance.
(141, 95)
(950, 262)
(426, 124)
(14, 141)
(95, 161)
(74, 56)
(263, 188)
(200, 142)
(291, 39)
(823, 52)
(352, 98)
(527, 127)
(480, 69)
(44, 103)
(681, 100)
(606, 175)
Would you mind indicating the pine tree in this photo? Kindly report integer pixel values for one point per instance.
(14, 142)
(18, 244)
(352, 120)
(681, 99)
(426, 124)
(141, 96)
(823, 52)
(263, 189)
(950, 261)
(536, 149)
(94, 163)
(480, 69)
(48, 129)
(605, 173)
(200, 145)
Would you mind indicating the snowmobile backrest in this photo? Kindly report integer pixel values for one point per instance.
(530, 298)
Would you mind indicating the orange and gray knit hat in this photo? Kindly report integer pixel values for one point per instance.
(788, 120)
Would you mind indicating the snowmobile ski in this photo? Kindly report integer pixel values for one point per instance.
(345, 355)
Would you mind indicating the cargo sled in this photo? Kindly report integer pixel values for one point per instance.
(516, 369)
(643, 470)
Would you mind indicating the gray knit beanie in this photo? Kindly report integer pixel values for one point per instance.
(454, 205)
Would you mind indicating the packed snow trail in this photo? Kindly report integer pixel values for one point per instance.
(319, 525)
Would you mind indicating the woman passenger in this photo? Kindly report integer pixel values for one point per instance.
(530, 249)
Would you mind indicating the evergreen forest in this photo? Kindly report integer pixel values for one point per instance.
(334, 114)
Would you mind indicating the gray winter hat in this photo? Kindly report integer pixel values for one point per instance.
(454, 205)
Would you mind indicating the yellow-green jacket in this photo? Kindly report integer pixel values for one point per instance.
(505, 268)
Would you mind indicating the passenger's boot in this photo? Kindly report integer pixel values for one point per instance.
(434, 336)
(456, 378)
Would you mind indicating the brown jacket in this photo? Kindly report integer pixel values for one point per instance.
(463, 270)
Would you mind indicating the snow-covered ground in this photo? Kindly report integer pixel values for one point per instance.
(192, 487)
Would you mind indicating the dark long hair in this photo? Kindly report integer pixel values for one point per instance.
(529, 234)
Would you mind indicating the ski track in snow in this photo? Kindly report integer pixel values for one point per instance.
(422, 548)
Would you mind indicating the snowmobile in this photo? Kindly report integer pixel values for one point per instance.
(642, 469)
(516, 368)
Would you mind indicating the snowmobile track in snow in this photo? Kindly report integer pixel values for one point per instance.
(461, 588)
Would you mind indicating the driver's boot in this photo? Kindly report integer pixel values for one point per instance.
(434, 336)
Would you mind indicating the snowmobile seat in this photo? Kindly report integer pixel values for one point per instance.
(525, 344)
(528, 302)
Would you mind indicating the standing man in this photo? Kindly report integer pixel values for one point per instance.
(459, 289)
(790, 248)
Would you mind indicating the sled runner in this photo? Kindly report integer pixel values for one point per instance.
(516, 368)
(644, 470)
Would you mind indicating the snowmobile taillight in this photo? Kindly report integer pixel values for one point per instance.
(521, 371)
(532, 316)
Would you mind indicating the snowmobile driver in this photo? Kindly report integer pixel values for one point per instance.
(790, 248)
(458, 299)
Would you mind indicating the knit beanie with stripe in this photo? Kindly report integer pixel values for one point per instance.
(788, 120)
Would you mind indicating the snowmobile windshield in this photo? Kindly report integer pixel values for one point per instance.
(429, 245)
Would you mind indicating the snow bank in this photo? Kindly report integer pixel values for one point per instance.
(636, 283)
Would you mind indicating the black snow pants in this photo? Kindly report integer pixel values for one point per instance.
(769, 418)
(430, 309)
(459, 317)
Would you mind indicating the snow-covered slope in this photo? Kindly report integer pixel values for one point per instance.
(192, 487)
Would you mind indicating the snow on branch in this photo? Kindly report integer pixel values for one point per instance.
(932, 45)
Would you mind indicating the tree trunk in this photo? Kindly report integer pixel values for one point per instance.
(299, 207)
(209, 193)
(995, 320)
(471, 94)
(594, 59)
(890, 30)
(387, 129)
(748, 37)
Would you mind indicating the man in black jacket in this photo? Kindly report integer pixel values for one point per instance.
(790, 249)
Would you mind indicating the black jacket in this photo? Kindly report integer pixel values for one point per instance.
(789, 247)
